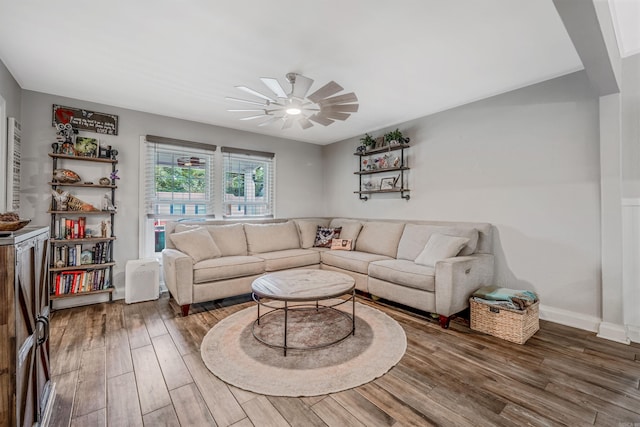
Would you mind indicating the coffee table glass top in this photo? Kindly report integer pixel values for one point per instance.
(302, 285)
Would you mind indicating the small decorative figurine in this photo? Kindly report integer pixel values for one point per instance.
(107, 203)
(60, 200)
(104, 181)
(65, 133)
(65, 175)
(67, 148)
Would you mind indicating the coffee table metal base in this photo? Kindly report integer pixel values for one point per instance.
(301, 307)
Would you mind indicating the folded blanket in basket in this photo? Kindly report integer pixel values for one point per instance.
(519, 298)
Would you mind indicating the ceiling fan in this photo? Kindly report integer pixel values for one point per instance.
(323, 106)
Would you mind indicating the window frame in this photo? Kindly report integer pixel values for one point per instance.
(149, 146)
(231, 154)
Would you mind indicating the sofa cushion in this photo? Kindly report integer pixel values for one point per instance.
(271, 237)
(405, 273)
(439, 247)
(350, 260)
(415, 237)
(350, 229)
(380, 238)
(227, 267)
(229, 238)
(197, 243)
(289, 258)
(324, 236)
(307, 230)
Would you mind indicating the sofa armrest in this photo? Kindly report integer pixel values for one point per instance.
(178, 275)
(459, 277)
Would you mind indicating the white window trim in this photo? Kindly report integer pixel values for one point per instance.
(258, 155)
(145, 238)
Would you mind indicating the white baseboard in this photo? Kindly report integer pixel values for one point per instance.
(613, 332)
(610, 331)
(570, 318)
(633, 332)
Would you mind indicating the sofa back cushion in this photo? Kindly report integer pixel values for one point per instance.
(230, 239)
(415, 237)
(307, 230)
(271, 237)
(350, 229)
(197, 243)
(380, 238)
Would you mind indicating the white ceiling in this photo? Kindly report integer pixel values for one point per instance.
(626, 21)
(404, 59)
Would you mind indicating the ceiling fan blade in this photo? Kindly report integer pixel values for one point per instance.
(340, 99)
(244, 111)
(271, 120)
(305, 123)
(324, 121)
(228, 98)
(335, 115)
(253, 117)
(325, 91)
(288, 122)
(301, 86)
(274, 85)
(345, 108)
(255, 93)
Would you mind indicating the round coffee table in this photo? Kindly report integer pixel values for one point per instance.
(305, 288)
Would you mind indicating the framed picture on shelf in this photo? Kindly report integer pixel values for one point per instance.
(387, 183)
(86, 147)
(379, 142)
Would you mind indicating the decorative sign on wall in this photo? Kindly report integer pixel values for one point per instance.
(85, 120)
(13, 165)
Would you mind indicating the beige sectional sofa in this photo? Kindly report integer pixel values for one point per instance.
(394, 260)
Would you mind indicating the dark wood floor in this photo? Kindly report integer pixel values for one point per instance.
(121, 365)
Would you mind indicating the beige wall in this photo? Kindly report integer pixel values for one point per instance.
(526, 161)
(299, 168)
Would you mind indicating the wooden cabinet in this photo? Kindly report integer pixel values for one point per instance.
(388, 165)
(82, 264)
(26, 389)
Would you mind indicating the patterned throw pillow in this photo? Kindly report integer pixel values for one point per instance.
(324, 235)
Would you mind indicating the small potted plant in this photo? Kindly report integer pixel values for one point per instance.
(395, 137)
(367, 141)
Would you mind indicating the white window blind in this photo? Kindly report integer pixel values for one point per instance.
(178, 178)
(249, 183)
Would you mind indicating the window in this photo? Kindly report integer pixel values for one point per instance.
(248, 183)
(178, 184)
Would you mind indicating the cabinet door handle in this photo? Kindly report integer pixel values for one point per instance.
(42, 338)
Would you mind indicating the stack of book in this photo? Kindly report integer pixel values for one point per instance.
(70, 256)
(66, 228)
(73, 282)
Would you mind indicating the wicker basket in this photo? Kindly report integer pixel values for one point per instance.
(512, 325)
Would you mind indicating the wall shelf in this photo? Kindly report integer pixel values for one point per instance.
(381, 170)
(78, 184)
(82, 158)
(84, 293)
(67, 248)
(369, 164)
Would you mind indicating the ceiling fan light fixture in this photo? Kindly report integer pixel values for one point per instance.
(323, 106)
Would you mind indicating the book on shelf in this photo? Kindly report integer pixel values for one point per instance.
(76, 282)
(68, 228)
(75, 255)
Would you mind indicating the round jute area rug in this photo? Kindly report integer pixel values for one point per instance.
(234, 355)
